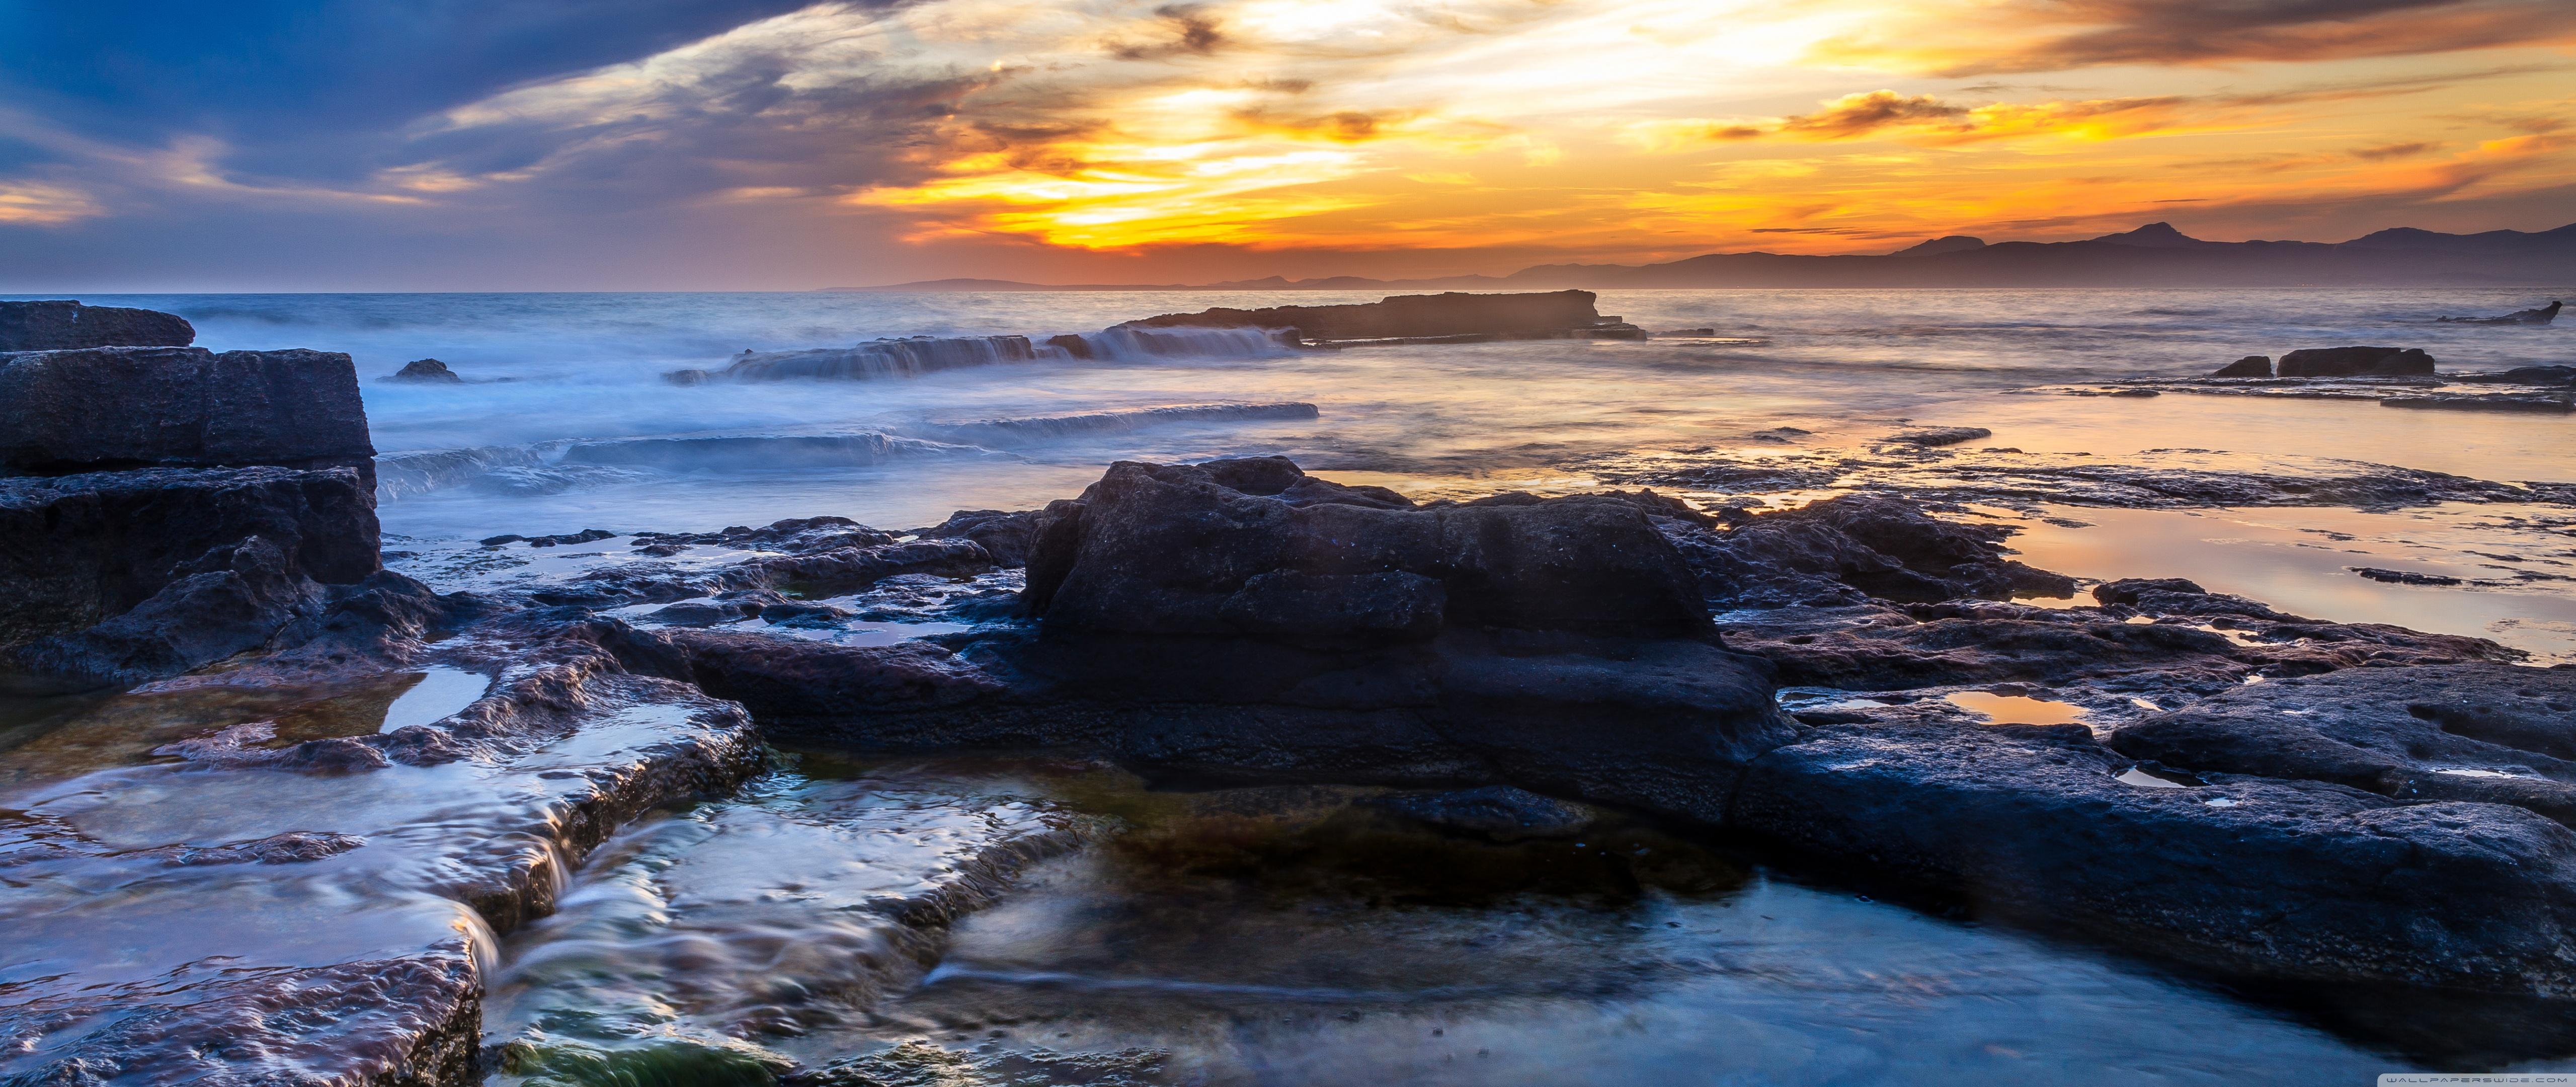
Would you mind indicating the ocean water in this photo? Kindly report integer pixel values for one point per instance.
(544, 371)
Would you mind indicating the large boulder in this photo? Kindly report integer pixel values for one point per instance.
(119, 407)
(1256, 547)
(2357, 362)
(53, 326)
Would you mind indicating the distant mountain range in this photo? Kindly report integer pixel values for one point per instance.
(2154, 255)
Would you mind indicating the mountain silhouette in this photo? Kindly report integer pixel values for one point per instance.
(2153, 255)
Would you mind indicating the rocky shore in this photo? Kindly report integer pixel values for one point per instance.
(1868, 690)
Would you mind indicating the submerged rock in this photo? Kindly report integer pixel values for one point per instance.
(55, 326)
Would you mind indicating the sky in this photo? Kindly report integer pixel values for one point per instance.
(777, 145)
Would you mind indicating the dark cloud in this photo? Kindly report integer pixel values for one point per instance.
(1861, 114)
(1189, 32)
(2212, 31)
(2385, 152)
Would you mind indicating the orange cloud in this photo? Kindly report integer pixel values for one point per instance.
(1926, 119)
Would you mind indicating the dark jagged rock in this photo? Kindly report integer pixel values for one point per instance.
(2249, 366)
(1844, 549)
(426, 372)
(124, 407)
(2538, 316)
(1005, 536)
(209, 561)
(2278, 880)
(2471, 732)
(2356, 362)
(56, 326)
(1547, 315)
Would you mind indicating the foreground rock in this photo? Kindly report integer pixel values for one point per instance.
(54, 326)
(1549, 315)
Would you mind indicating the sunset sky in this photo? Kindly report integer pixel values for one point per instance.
(581, 144)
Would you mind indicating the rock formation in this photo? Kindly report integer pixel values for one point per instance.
(165, 507)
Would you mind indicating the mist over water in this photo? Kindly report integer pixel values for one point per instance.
(574, 425)
(560, 367)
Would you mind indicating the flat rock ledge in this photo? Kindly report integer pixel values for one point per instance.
(225, 980)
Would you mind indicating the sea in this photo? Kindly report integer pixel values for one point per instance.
(545, 372)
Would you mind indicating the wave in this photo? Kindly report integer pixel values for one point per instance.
(760, 451)
(913, 356)
(988, 432)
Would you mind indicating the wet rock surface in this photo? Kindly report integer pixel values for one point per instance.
(315, 934)
(2486, 733)
(58, 325)
(2282, 879)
